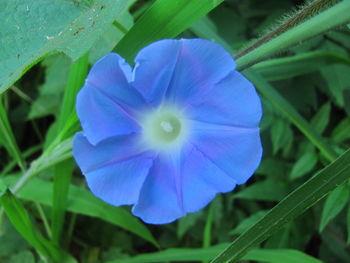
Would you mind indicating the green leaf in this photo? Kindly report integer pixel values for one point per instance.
(164, 19)
(337, 78)
(58, 153)
(186, 223)
(32, 29)
(248, 222)
(288, 110)
(111, 36)
(341, 132)
(281, 134)
(262, 191)
(335, 202)
(304, 165)
(348, 225)
(22, 222)
(62, 178)
(204, 254)
(289, 208)
(321, 119)
(7, 138)
(24, 256)
(50, 93)
(205, 28)
(332, 17)
(289, 67)
(76, 79)
(83, 202)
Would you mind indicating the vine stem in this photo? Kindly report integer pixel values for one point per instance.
(306, 12)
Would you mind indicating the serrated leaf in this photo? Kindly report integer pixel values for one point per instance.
(32, 29)
(335, 202)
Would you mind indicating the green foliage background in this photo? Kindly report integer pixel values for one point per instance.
(294, 209)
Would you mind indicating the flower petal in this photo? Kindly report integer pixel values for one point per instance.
(200, 64)
(233, 101)
(201, 180)
(115, 169)
(101, 117)
(236, 151)
(179, 69)
(111, 74)
(159, 201)
(154, 67)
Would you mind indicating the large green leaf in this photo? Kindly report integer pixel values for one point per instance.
(31, 29)
(83, 202)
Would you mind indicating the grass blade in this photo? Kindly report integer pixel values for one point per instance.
(7, 137)
(22, 222)
(289, 67)
(204, 254)
(289, 208)
(76, 79)
(164, 19)
(62, 178)
(63, 171)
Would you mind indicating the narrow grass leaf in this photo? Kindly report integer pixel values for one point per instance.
(289, 208)
(204, 254)
(164, 19)
(7, 137)
(62, 178)
(76, 78)
(22, 222)
(289, 67)
(63, 171)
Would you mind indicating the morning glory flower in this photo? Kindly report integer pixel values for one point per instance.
(169, 134)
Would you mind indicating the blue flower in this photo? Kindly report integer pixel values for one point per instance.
(170, 134)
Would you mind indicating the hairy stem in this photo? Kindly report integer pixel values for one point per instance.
(306, 12)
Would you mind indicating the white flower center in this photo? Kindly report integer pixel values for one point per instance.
(164, 128)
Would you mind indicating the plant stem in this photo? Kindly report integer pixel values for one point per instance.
(308, 11)
(332, 17)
